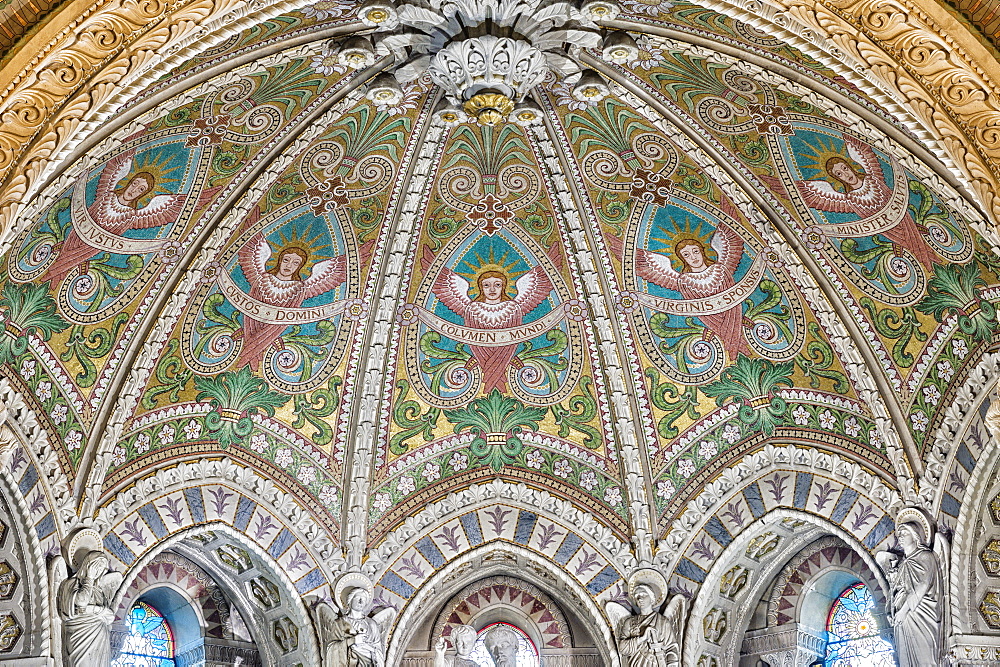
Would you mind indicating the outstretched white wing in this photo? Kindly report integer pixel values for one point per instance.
(453, 290)
(655, 268)
(384, 618)
(821, 196)
(326, 275)
(533, 288)
(253, 258)
(729, 247)
(617, 612)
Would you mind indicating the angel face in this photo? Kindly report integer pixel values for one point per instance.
(692, 254)
(502, 646)
(96, 568)
(843, 172)
(138, 186)
(357, 600)
(492, 287)
(643, 597)
(908, 537)
(290, 262)
(464, 641)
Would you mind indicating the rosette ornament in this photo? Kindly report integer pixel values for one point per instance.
(488, 54)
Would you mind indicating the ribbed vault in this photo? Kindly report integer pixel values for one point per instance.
(707, 270)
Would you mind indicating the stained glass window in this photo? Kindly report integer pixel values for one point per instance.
(852, 632)
(526, 656)
(149, 642)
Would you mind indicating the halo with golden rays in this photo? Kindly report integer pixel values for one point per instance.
(815, 155)
(307, 240)
(687, 229)
(481, 265)
(155, 163)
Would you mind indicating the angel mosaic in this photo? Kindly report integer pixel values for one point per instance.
(866, 193)
(702, 294)
(494, 306)
(701, 277)
(275, 301)
(492, 316)
(880, 225)
(276, 279)
(110, 230)
(129, 197)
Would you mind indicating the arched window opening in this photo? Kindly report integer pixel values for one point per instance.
(516, 649)
(149, 642)
(853, 638)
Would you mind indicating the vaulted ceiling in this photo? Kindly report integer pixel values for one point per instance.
(248, 262)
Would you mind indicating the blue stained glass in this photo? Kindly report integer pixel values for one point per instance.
(149, 642)
(853, 638)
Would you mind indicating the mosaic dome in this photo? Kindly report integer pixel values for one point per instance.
(393, 290)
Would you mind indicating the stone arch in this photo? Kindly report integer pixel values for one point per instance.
(744, 572)
(973, 578)
(282, 630)
(495, 560)
(170, 501)
(36, 474)
(475, 600)
(572, 540)
(179, 611)
(949, 469)
(26, 606)
(172, 583)
(821, 486)
(800, 597)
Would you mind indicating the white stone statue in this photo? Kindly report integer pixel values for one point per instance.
(917, 587)
(352, 637)
(463, 638)
(84, 604)
(501, 642)
(649, 638)
(335, 635)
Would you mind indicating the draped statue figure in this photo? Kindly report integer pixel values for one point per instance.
(648, 637)
(917, 590)
(501, 642)
(463, 638)
(351, 637)
(84, 603)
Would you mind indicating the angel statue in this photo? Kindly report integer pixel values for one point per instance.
(281, 286)
(122, 203)
(84, 603)
(352, 637)
(463, 638)
(865, 193)
(650, 638)
(701, 277)
(493, 307)
(917, 589)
